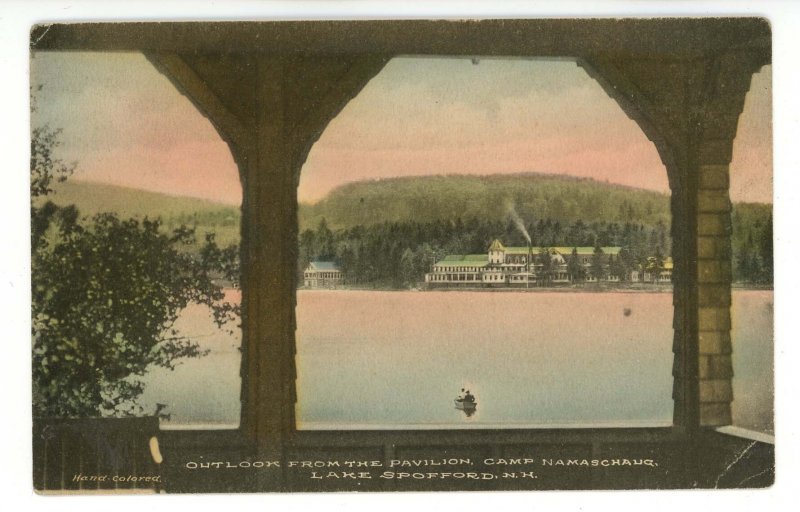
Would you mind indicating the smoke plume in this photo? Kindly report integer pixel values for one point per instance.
(514, 216)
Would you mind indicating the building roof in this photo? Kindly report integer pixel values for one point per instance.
(481, 260)
(466, 260)
(565, 251)
(322, 265)
(497, 246)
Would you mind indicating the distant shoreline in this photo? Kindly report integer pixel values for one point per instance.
(743, 286)
(664, 288)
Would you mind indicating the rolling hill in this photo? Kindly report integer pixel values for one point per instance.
(206, 216)
(533, 196)
(418, 199)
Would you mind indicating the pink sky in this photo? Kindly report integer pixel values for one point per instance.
(125, 124)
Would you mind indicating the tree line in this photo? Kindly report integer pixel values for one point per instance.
(752, 248)
(398, 254)
(105, 294)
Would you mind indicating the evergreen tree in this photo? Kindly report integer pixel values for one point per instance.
(598, 270)
(347, 260)
(106, 293)
(654, 266)
(574, 267)
(765, 247)
(747, 264)
(407, 268)
(307, 250)
(546, 266)
(616, 268)
(424, 259)
(628, 263)
(323, 239)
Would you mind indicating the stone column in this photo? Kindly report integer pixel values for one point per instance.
(714, 295)
(270, 109)
(690, 108)
(726, 94)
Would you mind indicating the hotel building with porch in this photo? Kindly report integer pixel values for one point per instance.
(514, 266)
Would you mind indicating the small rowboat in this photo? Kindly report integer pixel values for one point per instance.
(461, 404)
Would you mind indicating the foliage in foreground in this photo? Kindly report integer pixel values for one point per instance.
(106, 293)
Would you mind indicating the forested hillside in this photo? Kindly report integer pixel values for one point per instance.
(533, 196)
(388, 232)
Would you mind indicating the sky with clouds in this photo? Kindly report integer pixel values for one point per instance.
(125, 124)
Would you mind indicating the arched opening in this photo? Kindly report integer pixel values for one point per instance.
(400, 201)
(752, 303)
(338, 154)
(688, 89)
(143, 153)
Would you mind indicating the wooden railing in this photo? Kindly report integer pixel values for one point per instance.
(101, 454)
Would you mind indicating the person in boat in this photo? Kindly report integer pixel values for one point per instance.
(469, 397)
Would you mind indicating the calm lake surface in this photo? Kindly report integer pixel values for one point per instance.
(373, 360)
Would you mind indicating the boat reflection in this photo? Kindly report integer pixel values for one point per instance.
(468, 411)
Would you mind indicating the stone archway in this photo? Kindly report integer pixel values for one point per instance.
(271, 88)
(692, 120)
(691, 117)
(270, 117)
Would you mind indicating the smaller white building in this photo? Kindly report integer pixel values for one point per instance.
(322, 274)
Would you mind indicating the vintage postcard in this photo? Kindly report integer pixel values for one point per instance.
(405, 255)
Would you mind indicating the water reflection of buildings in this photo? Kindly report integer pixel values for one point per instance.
(523, 266)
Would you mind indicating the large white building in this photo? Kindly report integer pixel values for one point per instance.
(514, 266)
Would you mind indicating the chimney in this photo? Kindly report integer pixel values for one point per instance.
(530, 256)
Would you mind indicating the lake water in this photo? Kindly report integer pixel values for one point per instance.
(371, 360)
